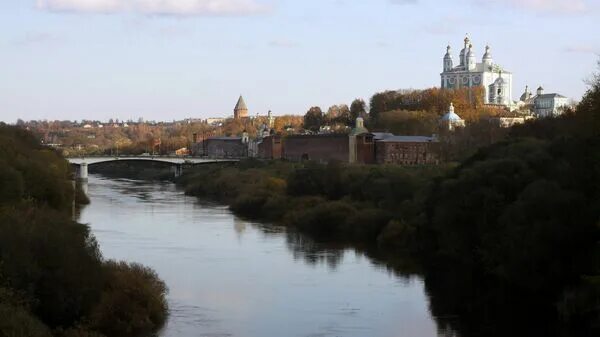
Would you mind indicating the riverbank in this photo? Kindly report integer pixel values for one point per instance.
(53, 278)
(517, 222)
(330, 202)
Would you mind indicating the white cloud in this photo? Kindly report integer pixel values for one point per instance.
(34, 39)
(404, 2)
(582, 49)
(282, 43)
(548, 6)
(155, 7)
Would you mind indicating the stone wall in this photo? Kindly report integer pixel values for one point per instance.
(320, 148)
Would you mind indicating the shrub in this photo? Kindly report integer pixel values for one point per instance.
(399, 235)
(54, 261)
(249, 205)
(365, 225)
(16, 321)
(324, 220)
(133, 302)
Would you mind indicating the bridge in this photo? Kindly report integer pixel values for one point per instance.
(177, 163)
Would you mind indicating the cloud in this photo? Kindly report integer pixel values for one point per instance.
(582, 50)
(452, 24)
(156, 7)
(404, 2)
(35, 38)
(282, 44)
(542, 6)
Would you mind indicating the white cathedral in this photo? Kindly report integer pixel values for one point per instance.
(496, 81)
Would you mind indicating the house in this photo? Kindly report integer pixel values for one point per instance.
(406, 150)
(509, 121)
(223, 147)
(542, 104)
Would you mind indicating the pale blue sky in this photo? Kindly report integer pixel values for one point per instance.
(172, 59)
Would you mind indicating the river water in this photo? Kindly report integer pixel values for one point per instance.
(230, 277)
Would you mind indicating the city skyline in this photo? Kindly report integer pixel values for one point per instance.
(165, 60)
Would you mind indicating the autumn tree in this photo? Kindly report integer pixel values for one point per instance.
(338, 115)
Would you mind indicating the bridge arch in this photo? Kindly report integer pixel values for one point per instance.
(178, 163)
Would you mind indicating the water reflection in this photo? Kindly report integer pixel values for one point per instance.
(313, 253)
(228, 277)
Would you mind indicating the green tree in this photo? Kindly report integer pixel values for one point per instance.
(314, 119)
(358, 108)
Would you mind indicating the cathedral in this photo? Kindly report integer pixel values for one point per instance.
(467, 72)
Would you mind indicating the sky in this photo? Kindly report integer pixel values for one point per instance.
(175, 59)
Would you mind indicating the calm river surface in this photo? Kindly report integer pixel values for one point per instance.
(230, 277)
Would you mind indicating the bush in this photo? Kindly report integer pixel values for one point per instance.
(16, 321)
(249, 205)
(365, 225)
(325, 220)
(54, 261)
(52, 275)
(133, 302)
(399, 235)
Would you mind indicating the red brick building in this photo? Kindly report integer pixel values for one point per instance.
(320, 148)
(406, 150)
(270, 147)
(365, 148)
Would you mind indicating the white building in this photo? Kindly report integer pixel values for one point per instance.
(496, 81)
(450, 121)
(544, 105)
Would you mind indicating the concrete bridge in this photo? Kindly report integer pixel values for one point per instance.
(177, 163)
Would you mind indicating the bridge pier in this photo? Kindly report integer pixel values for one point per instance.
(83, 172)
(177, 170)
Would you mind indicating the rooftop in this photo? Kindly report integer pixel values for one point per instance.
(408, 139)
(225, 138)
(451, 116)
(550, 96)
(241, 104)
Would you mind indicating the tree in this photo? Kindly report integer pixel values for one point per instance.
(313, 119)
(382, 102)
(338, 114)
(358, 108)
(344, 116)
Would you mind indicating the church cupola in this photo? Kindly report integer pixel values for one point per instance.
(463, 52)
(451, 120)
(448, 62)
(471, 60)
(540, 91)
(487, 57)
(526, 95)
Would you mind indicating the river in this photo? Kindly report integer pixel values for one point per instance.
(230, 277)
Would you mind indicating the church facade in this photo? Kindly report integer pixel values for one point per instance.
(467, 72)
